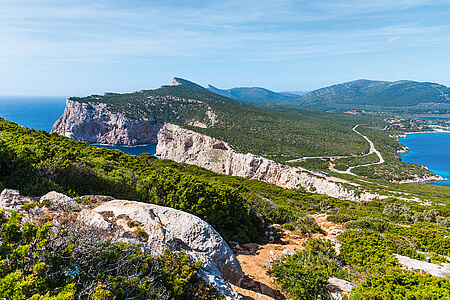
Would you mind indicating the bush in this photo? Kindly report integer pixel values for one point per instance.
(45, 263)
(305, 274)
(398, 284)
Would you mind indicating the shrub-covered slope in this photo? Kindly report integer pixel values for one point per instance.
(36, 162)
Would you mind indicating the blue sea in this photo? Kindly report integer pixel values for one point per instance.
(41, 113)
(431, 150)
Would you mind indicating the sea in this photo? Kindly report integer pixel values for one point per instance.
(40, 113)
(431, 150)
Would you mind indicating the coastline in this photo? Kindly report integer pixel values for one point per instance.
(124, 146)
(441, 175)
(426, 179)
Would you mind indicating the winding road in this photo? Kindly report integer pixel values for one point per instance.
(372, 149)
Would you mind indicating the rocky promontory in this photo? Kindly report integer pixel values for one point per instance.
(183, 145)
(95, 123)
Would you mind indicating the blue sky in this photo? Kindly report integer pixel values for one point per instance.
(69, 48)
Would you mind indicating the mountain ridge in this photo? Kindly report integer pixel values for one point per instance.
(253, 94)
(402, 96)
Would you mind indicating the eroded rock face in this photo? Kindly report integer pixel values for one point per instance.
(11, 199)
(94, 123)
(182, 145)
(172, 229)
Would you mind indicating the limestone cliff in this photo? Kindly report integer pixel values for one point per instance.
(182, 145)
(94, 123)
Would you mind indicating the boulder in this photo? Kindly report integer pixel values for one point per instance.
(60, 201)
(172, 229)
(427, 267)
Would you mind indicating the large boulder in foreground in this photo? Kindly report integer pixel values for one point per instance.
(172, 229)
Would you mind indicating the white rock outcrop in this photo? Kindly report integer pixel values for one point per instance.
(11, 199)
(183, 145)
(60, 201)
(166, 228)
(95, 123)
(414, 264)
(172, 229)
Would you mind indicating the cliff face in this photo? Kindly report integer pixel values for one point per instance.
(94, 123)
(182, 145)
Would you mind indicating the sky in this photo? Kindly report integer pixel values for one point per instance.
(78, 48)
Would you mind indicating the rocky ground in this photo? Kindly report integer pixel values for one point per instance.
(238, 274)
(256, 259)
(154, 228)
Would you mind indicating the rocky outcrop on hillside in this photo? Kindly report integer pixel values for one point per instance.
(182, 145)
(94, 123)
(154, 227)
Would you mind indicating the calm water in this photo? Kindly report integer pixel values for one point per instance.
(431, 150)
(34, 112)
(41, 113)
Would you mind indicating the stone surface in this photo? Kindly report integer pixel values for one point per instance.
(11, 199)
(173, 229)
(182, 145)
(60, 201)
(94, 123)
(167, 228)
(414, 264)
(93, 219)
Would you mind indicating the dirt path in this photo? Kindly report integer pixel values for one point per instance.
(256, 259)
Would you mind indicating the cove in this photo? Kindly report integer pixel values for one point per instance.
(431, 150)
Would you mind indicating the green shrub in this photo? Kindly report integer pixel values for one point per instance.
(305, 274)
(398, 284)
(41, 262)
(287, 226)
(376, 224)
(28, 206)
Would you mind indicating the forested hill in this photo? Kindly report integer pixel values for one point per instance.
(268, 130)
(399, 97)
(253, 94)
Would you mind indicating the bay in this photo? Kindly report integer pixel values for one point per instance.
(41, 112)
(431, 150)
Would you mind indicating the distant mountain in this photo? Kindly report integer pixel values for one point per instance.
(298, 93)
(398, 97)
(253, 94)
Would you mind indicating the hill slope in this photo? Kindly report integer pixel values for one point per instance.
(253, 94)
(269, 130)
(400, 97)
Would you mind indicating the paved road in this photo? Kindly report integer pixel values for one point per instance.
(372, 149)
